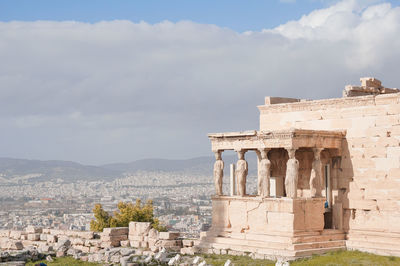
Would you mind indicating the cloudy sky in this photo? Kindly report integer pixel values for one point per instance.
(116, 81)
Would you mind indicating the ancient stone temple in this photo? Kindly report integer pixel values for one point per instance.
(328, 178)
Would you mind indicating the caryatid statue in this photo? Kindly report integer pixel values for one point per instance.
(316, 175)
(292, 175)
(241, 173)
(218, 173)
(264, 167)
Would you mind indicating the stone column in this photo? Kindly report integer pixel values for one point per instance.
(292, 174)
(241, 173)
(316, 175)
(218, 172)
(264, 173)
(232, 180)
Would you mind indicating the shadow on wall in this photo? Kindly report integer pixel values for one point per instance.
(345, 175)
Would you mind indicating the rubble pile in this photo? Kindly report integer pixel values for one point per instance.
(138, 243)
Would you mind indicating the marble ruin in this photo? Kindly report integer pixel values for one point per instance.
(218, 173)
(328, 178)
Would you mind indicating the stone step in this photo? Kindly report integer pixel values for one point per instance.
(273, 253)
(265, 238)
(374, 239)
(320, 238)
(378, 251)
(251, 243)
(374, 233)
(373, 245)
(305, 238)
(221, 242)
(310, 252)
(318, 245)
(318, 233)
(332, 232)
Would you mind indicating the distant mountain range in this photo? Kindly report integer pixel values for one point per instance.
(22, 169)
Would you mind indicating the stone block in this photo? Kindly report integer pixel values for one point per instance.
(139, 228)
(77, 241)
(44, 248)
(256, 217)
(314, 215)
(34, 237)
(388, 205)
(154, 248)
(136, 238)
(394, 172)
(187, 251)
(236, 217)
(94, 249)
(51, 239)
(92, 242)
(368, 220)
(79, 247)
(115, 231)
(14, 245)
(382, 164)
(364, 204)
(33, 229)
(169, 235)
(125, 243)
(4, 233)
(279, 205)
(280, 222)
(132, 228)
(387, 142)
(46, 230)
(60, 254)
(169, 243)
(57, 232)
(153, 234)
(152, 242)
(337, 212)
(43, 237)
(107, 244)
(134, 243)
(143, 244)
(85, 234)
(384, 121)
(220, 213)
(114, 238)
(235, 253)
(187, 242)
(16, 235)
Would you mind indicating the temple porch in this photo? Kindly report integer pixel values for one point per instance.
(291, 223)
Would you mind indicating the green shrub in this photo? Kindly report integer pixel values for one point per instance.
(127, 212)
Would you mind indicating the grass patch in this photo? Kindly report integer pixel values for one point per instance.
(64, 261)
(219, 260)
(342, 258)
(338, 258)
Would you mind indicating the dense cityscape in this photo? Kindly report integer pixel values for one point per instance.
(182, 202)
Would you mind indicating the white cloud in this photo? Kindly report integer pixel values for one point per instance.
(118, 91)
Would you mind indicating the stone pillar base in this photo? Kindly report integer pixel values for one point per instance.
(270, 227)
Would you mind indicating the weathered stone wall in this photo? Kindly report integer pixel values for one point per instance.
(240, 215)
(367, 182)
